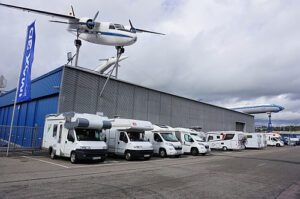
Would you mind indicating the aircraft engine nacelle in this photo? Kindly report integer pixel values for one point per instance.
(87, 23)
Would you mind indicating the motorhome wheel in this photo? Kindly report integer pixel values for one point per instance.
(278, 145)
(73, 158)
(162, 153)
(194, 151)
(177, 156)
(128, 155)
(224, 148)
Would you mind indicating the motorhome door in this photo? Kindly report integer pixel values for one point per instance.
(122, 141)
(157, 141)
(187, 143)
(69, 141)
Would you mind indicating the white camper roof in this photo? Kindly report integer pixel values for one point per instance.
(163, 128)
(82, 120)
(131, 124)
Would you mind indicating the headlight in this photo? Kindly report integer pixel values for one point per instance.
(85, 147)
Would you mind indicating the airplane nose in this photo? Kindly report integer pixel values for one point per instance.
(281, 108)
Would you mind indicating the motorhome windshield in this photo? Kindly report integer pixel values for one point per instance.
(169, 137)
(136, 136)
(197, 138)
(88, 135)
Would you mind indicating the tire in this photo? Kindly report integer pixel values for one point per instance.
(203, 154)
(128, 156)
(224, 148)
(194, 151)
(73, 157)
(277, 145)
(102, 159)
(162, 153)
(177, 156)
(147, 158)
(52, 154)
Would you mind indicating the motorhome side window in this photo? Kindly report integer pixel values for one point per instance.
(187, 138)
(136, 136)
(60, 132)
(71, 136)
(210, 138)
(54, 130)
(228, 136)
(123, 137)
(249, 136)
(157, 137)
(218, 137)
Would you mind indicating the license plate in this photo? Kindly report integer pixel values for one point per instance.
(96, 158)
(146, 156)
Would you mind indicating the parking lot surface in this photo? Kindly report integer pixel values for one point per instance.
(269, 173)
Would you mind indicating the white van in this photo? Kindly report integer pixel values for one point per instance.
(274, 139)
(233, 140)
(164, 141)
(191, 144)
(127, 138)
(76, 136)
(254, 141)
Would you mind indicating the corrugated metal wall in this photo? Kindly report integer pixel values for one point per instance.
(81, 89)
(44, 94)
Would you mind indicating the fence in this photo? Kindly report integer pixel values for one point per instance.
(22, 137)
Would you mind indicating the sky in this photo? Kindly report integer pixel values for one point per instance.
(225, 52)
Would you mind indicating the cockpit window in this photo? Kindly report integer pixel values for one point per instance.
(111, 26)
(119, 27)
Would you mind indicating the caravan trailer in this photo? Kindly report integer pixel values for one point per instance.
(76, 136)
(226, 140)
(254, 140)
(164, 141)
(127, 138)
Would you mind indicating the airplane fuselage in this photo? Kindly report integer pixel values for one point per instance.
(105, 33)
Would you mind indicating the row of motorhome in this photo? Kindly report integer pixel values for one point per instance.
(88, 136)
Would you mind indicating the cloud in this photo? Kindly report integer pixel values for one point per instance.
(223, 52)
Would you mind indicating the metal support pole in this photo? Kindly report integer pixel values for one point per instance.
(78, 45)
(120, 50)
(270, 123)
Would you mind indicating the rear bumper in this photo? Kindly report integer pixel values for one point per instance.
(91, 154)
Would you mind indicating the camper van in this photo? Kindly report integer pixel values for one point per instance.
(224, 140)
(164, 141)
(191, 144)
(127, 138)
(274, 139)
(76, 136)
(254, 141)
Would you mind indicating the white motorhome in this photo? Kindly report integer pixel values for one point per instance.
(76, 136)
(164, 141)
(191, 144)
(254, 140)
(127, 138)
(224, 140)
(274, 139)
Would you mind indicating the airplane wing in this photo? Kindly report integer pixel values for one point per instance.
(141, 30)
(39, 11)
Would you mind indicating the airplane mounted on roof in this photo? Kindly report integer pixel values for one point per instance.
(88, 29)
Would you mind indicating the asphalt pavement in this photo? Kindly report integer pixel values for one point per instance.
(269, 173)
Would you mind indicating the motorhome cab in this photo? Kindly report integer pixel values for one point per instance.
(191, 144)
(233, 140)
(127, 138)
(164, 141)
(254, 140)
(76, 136)
(274, 139)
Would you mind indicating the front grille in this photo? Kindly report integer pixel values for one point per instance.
(178, 148)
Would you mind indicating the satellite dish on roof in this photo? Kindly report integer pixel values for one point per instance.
(3, 82)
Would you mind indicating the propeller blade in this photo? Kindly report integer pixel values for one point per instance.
(103, 59)
(73, 13)
(141, 30)
(96, 15)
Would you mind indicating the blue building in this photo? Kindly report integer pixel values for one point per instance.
(68, 89)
